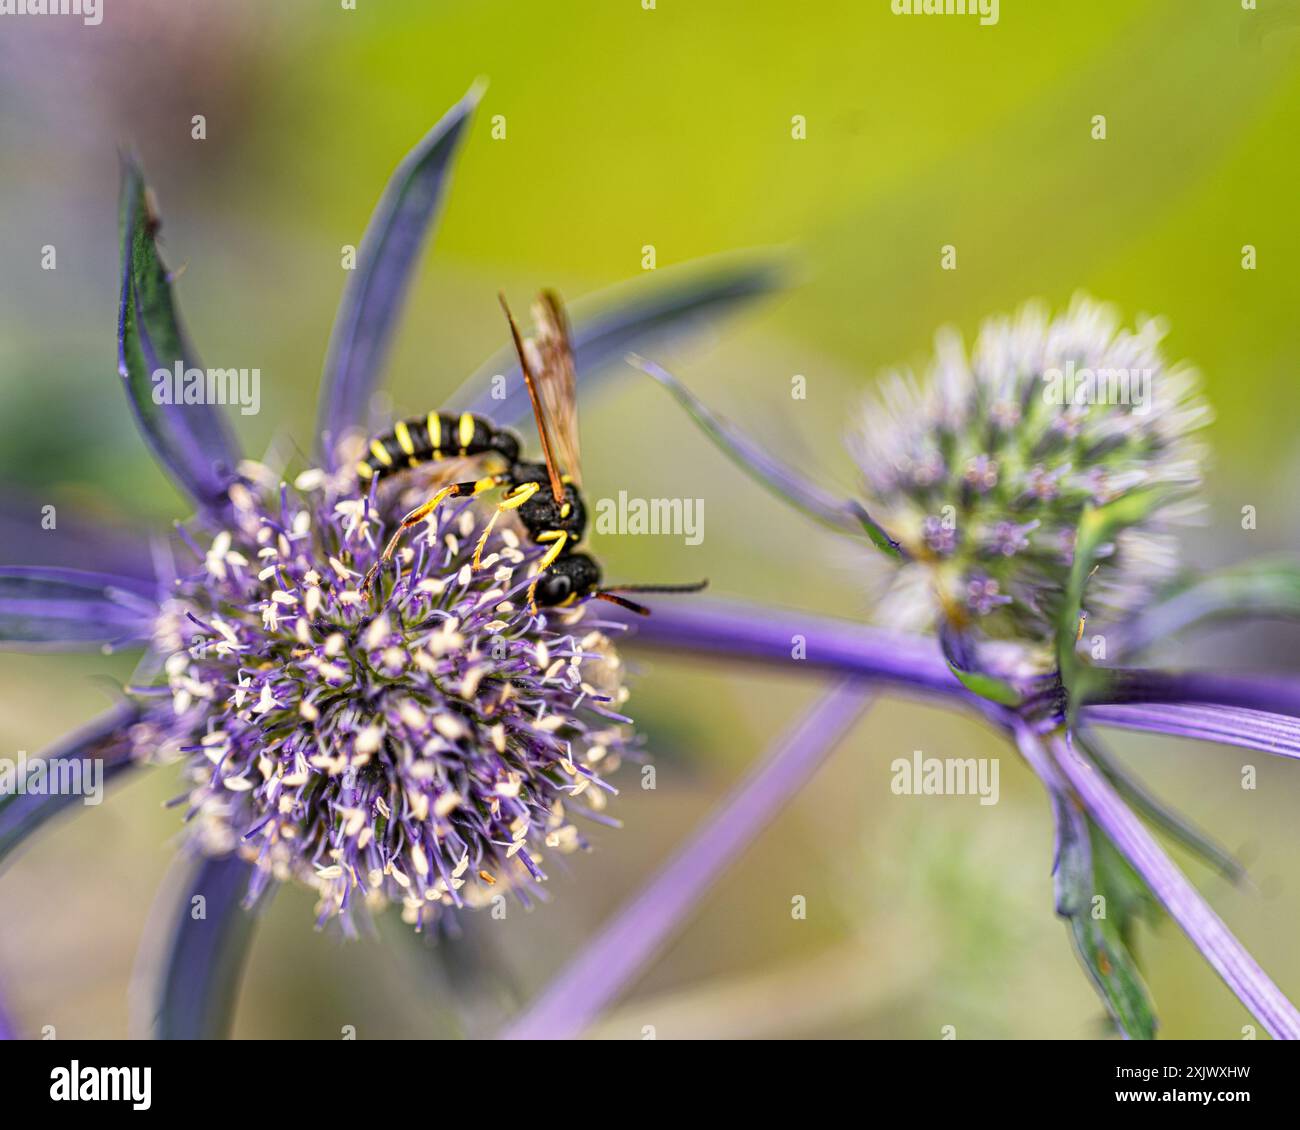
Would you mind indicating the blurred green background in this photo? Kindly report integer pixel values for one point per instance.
(669, 127)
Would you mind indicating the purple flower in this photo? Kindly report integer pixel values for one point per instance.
(426, 747)
(429, 742)
(982, 595)
(939, 538)
(1037, 469)
(1006, 539)
(1072, 511)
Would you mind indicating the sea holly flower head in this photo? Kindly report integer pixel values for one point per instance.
(429, 740)
(425, 744)
(982, 469)
(1019, 491)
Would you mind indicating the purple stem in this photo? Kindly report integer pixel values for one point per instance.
(1183, 902)
(622, 949)
(1252, 729)
(797, 641)
(1270, 693)
(104, 739)
(83, 541)
(1234, 709)
(196, 978)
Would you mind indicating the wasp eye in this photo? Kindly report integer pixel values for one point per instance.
(554, 588)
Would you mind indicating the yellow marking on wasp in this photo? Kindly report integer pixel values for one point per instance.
(434, 423)
(521, 494)
(482, 541)
(565, 510)
(512, 501)
(413, 518)
(403, 434)
(559, 537)
(377, 450)
(365, 471)
(465, 431)
(423, 511)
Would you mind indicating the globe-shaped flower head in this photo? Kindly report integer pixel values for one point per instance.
(425, 743)
(982, 470)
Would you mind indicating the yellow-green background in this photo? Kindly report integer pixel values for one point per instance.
(671, 127)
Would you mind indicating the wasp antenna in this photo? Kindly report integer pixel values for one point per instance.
(694, 586)
(557, 485)
(630, 605)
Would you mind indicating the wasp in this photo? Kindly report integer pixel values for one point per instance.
(546, 496)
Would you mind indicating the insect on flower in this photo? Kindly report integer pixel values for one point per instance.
(554, 517)
(428, 744)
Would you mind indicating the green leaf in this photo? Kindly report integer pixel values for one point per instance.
(987, 686)
(960, 652)
(1097, 526)
(1102, 900)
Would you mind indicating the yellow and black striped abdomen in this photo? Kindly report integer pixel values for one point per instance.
(432, 438)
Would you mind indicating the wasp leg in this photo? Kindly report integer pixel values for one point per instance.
(418, 515)
(558, 538)
(512, 501)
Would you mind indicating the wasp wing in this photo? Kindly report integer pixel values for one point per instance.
(557, 381)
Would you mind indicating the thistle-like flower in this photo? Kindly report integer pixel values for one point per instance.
(1019, 493)
(425, 744)
(429, 741)
(982, 471)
